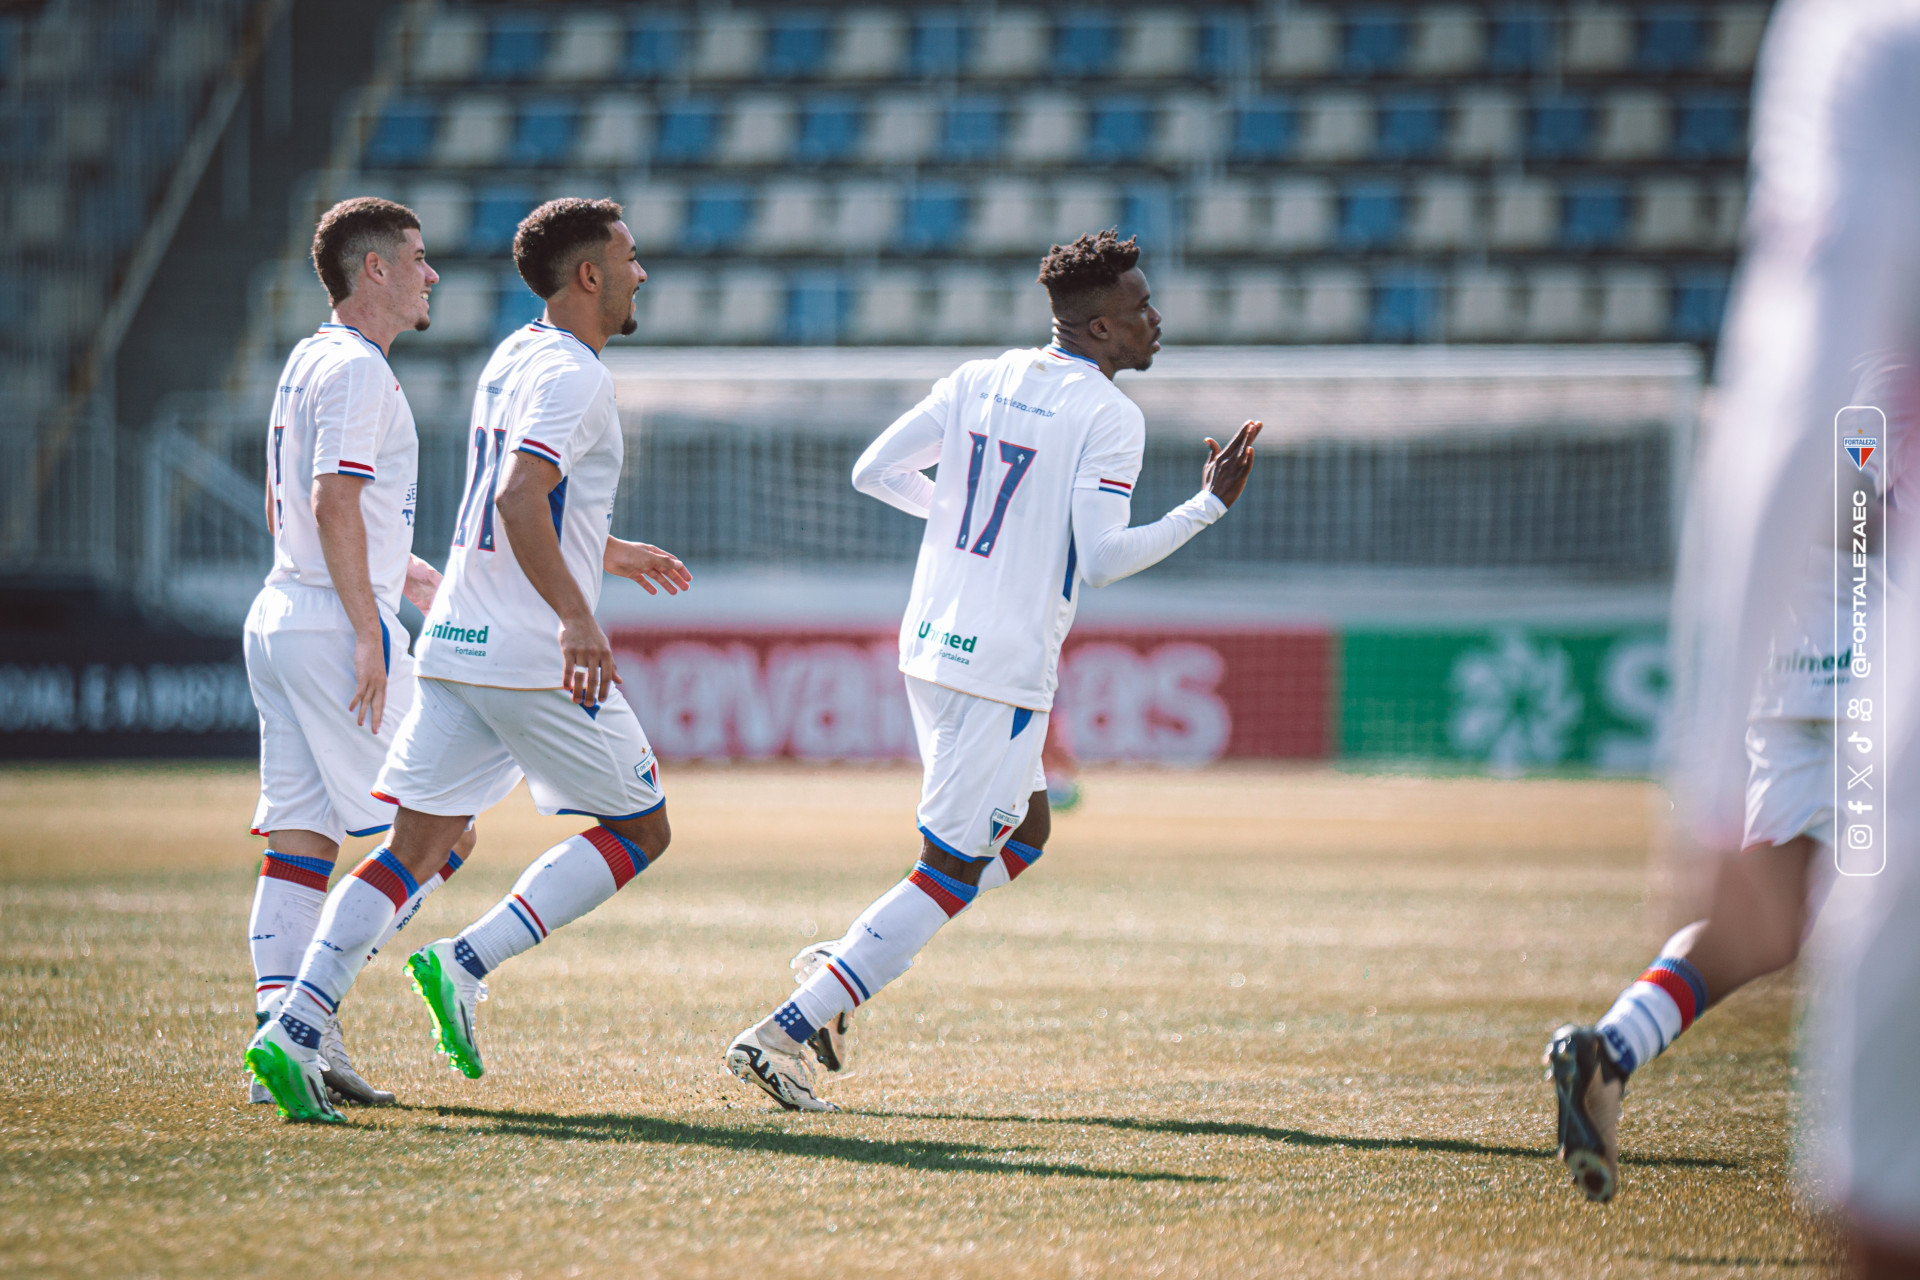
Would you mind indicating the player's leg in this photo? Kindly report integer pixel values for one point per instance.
(1024, 847)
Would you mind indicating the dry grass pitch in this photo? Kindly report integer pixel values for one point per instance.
(1236, 1023)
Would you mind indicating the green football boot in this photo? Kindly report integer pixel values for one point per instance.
(451, 993)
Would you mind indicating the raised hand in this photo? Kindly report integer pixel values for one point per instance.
(646, 565)
(1226, 471)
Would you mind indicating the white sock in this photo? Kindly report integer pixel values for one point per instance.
(412, 907)
(878, 948)
(286, 907)
(355, 916)
(1652, 1012)
(563, 884)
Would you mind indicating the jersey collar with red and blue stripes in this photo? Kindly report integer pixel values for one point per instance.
(341, 325)
(542, 326)
(1061, 353)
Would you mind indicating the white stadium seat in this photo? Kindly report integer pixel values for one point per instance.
(1559, 305)
(1333, 305)
(1337, 126)
(889, 306)
(1082, 205)
(1305, 41)
(443, 209)
(1191, 130)
(1481, 306)
(1735, 38)
(1009, 216)
(728, 45)
(759, 130)
(432, 392)
(1448, 39)
(1012, 42)
(1261, 306)
(1156, 42)
(1599, 38)
(1633, 304)
(872, 45)
(1667, 214)
(901, 128)
(794, 215)
(968, 306)
(1729, 212)
(1226, 214)
(1189, 304)
(1302, 215)
(1486, 125)
(1526, 213)
(865, 216)
(615, 132)
(587, 47)
(474, 131)
(1048, 126)
(656, 212)
(1028, 319)
(750, 306)
(451, 47)
(463, 307)
(1444, 213)
(1635, 124)
(678, 305)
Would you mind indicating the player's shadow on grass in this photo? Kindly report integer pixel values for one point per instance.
(1303, 1137)
(953, 1157)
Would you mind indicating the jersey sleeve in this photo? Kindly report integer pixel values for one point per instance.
(550, 426)
(1116, 446)
(892, 468)
(348, 407)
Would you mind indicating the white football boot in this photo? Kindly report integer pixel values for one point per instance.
(786, 1076)
(291, 1072)
(831, 1042)
(344, 1084)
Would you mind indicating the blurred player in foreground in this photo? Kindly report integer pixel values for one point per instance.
(1041, 451)
(326, 655)
(1831, 278)
(517, 674)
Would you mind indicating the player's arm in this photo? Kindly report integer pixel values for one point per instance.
(1109, 550)
(587, 659)
(423, 583)
(343, 541)
(893, 467)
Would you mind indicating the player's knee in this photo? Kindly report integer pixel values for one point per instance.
(651, 831)
(464, 845)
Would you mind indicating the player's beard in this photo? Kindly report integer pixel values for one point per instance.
(422, 324)
(629, 326)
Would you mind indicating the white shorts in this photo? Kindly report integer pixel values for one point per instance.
(316, 765)
(464, 746)
(982, 765)
(1789, 781)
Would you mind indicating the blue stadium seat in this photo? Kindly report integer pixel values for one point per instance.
(1699, 298)
(1226, 44)
(933, 218)
(543, 134)
(111, 213)
(1593, 215)
(796, 46)
(404, 135)
(1406, 307)
(1670, 40)
(514, 305)
(1370, 215)
(687, 130)
(939, 45)
(24, 131)
(496, 216)
(127, 48)
(1520, 42)
(9, 47)
(830, 129)
(1374, 41)
(655, 49)
(970, 129)
(817, 305)
(1147, 211)
(1122, 128)
(1710, 126)
(1411, 127)
(516, 46)
(1085, 44)
(1262, 130)
(717, 218)
(1561, 127)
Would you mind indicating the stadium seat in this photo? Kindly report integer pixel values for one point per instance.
(1190, 130)
(656, 214)
(1446, 40)
(1336, 125)
(587, 47)
(676, 307)
(940, 44)
(1486, 126)
(1560, 127)
(516, 48)
(901, 129)
(1226, 45)
(1370, 215)
(1333, 305)
(1085, 43)
(1699, 299)
(443, 209)
(1735, 38)
(432, 390)
(39, 213)
(1406, 307)
(872, 46)
(1634, 125)
(496, 216)
(1147, 211)
(1667, 214)
(1261, 306)
(729, 44)
(1189, 304)
(514, 305)
(1374, 42)
(759, 130)
(1559, 306)
(1155, 43)
(1028, 318)
(1712, 125)
(968, 306)
(1302, 217)
(817, 303)
(473, 132)
(1443, 213)
(796, 46)
(404, 136)
(888, 307)
(451, 47)
(1122, 132)
(1225, 215)
(615, 132)
(1521, 42)
(830, 129)
(932, 218)
(1410, 127)
(793, 217)
(1304, 41)
(1008, 217)
(687, 131)
(542, 134)
(464, 308)
(1599, 39)
(718, 215)
(1048, 126)
(1633, 305)
(657, 48)
(1481, 306)
(866, 215)
(1729, 213)
(1081, 205)
(1526, 214)
(749, 305)
(85, 131)
(1011, 44)
(970, 130)
(1263, 129)
(1670, 39)
(1593, 214)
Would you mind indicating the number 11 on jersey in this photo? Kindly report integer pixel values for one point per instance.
(1018, 458)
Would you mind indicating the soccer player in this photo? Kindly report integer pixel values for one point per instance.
(326, 655)
(1039, 452)
(517, 674)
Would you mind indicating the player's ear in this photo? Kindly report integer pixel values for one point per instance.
(372, 268)
(1098, 329)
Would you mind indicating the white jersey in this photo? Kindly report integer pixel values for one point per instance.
(996, 586)
(544, 393)
(340, 411)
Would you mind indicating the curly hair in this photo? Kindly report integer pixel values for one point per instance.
(351, 230)
(553, 239)
(1077, 274)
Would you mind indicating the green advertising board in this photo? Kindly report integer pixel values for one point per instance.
(1506, 699)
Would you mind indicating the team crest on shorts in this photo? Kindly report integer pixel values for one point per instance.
(648, 771)
(1860, 448)
(1003, 825)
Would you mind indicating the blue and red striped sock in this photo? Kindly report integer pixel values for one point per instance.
(286, 908)
(357, 912)
(563, 884)
(1652, 1012)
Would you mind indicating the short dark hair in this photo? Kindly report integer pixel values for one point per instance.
(553, 238)
(1077, 274)
(351, 230)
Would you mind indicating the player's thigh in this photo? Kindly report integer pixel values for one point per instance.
(979, 760)
(595, 763)
(293, 793)
(446, 758)
(1789, 782)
